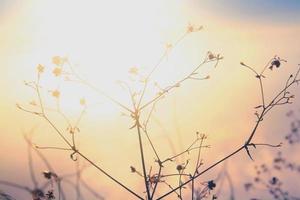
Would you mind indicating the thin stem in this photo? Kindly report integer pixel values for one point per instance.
(156, 183)
(271, 104)
(262, 91)
(152, 146)
(199, 155)
(169, 175)
(269, 145)
(57, 131)
(259, 76)
(57, 148)
(42, 157)
(193, 188)
(190, 148)
(245, 146)
(73, 140)
(11, 184)
(204, 171)
(81, 80)
(46, 118)
(175, 191)
(253, 70)
(268, 63)
(31, 167)
(79, 153)
(156, 66)
(142, 158)
(177, 84)
(255, 128)
(180, 189)
(108, 175)
(197, 165)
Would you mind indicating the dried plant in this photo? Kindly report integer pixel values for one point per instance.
(268, 175)
(212, 188)
(52, 185)
(140, 112)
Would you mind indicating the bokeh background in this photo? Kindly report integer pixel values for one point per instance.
(104, 39)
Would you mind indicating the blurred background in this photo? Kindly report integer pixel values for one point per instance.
(105, 39)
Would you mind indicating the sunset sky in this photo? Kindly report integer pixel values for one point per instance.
(105, 39)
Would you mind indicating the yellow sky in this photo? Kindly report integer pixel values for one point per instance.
(104, 42)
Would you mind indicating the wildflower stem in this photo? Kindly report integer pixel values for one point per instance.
(177, 84)
(108, 175)
(202, 172)
(248, 142)
(262, 91)
(138, 126)
(156, 183)
(84, 82)
(31, 167)
(197, 164)
(269, 145)
(15, 185)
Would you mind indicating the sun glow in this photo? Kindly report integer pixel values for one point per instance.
(104, 42)
(83, 53)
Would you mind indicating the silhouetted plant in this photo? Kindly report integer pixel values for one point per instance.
(201, 189)
(267, 176)
(140, 113)
(46, 190)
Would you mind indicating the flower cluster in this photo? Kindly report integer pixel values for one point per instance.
(204, 192)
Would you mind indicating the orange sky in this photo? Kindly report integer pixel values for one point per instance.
(104, 42)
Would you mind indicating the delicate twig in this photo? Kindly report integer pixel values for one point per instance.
(248, 141)
(15, 185)
(198, 162)
(156, 66)
(81, 80)
(265, 144)
(190, 148)
(108, 175)
(142, 156)
(177, 84)
(57, 148)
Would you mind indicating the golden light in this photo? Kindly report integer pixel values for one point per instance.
(104, 40)
(86, 52)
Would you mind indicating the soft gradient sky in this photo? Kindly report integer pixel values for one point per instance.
(276, 11)
(106, 38)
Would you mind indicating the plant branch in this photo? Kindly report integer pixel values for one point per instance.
(248, 141)
(142, 156)
(177, 84)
